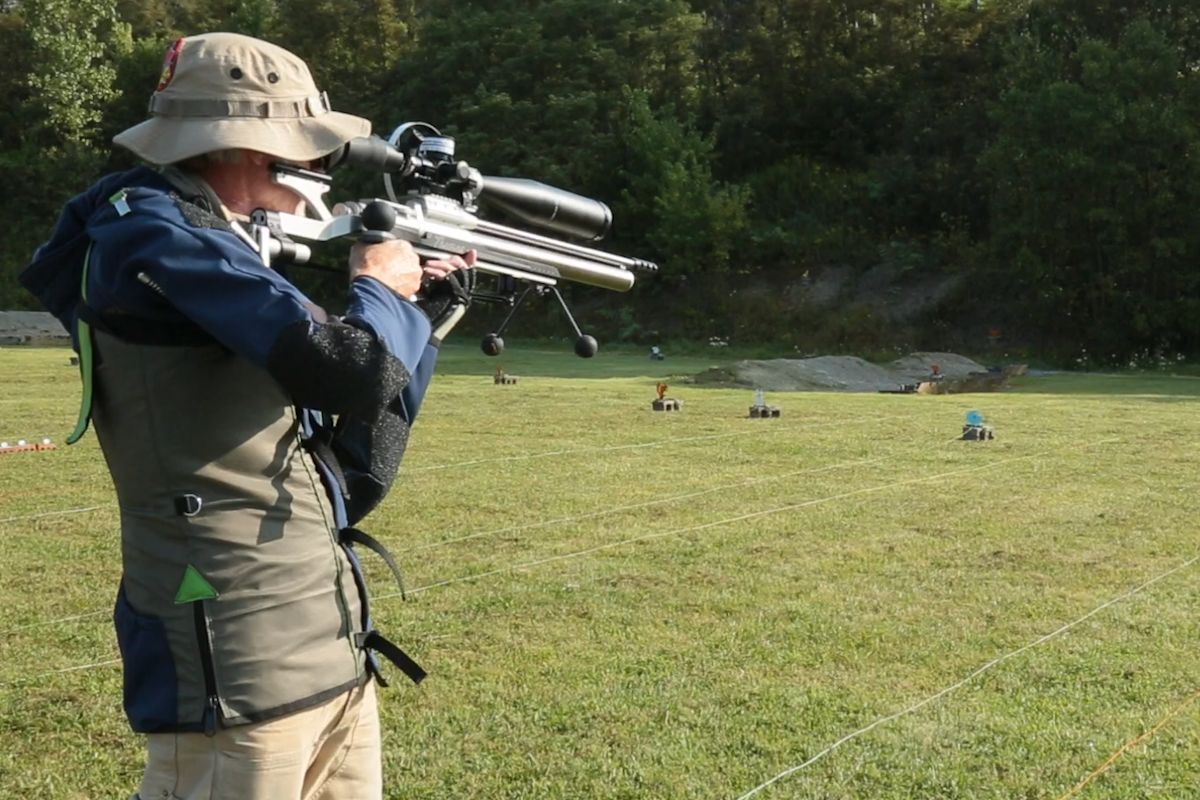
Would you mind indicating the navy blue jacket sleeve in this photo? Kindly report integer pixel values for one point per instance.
(381, 311)
(154, 264)
(151, 265)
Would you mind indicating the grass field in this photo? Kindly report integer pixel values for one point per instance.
(614, 603)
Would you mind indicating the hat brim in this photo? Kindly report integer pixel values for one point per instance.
(167, 140)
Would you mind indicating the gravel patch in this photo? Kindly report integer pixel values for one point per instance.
(839, 373)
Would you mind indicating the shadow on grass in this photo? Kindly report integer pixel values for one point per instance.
(1170, 388)
(558, 360)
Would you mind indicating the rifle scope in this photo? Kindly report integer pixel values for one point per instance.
(546, 207)
(419, 160)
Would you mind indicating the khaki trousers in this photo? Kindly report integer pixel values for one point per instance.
(329, 752)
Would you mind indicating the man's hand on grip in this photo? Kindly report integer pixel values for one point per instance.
(447, 292)
(393, 263)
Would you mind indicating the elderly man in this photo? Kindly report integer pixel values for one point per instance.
(245, 429)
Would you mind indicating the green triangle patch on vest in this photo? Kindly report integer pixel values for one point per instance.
(194, 587)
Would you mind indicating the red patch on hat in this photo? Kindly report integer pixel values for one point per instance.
(170, 61)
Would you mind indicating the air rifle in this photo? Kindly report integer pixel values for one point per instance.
(439, 204)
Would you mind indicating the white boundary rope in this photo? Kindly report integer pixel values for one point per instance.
(79, 668)
(557, 521)
(993, 663)
(659, 535)
(56, 513)
(43, 623)
(524, 457)
(644, 504)
(727, 521)
(640, 445)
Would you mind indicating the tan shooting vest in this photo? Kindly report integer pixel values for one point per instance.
(238, 604)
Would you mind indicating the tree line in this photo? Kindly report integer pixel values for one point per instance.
(1032, 164)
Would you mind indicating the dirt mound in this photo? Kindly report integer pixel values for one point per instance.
(31, 327)
(918, 366)
(839, 373)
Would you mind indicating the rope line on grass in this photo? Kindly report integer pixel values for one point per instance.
(527, 456)
(28, 679)
(43, 623)
(1132, 743)
(645, 504)
(677, 531)
(56, 513)
(636, 446)
(989, 665)
(479, 534)
(718, 523)
(729, 521)
(560, 520)
(78, 668)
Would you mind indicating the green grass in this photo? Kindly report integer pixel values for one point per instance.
(644, 605)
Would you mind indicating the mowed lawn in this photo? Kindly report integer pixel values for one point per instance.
(616, 603)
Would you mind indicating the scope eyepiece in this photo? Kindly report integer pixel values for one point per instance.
(369, 152)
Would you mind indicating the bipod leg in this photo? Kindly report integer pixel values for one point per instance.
(567, 311)
(516, 305)
(585, 346)
(492, 344)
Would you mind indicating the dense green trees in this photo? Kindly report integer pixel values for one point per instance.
(1094, 185)
(1030, 164)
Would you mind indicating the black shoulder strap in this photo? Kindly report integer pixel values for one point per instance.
(372, 639)
(320, 444)
(356, 536)
(376, 641)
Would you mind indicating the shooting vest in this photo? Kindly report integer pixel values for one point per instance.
(238, 602)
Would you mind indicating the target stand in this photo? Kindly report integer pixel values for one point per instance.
(760, 409)
(664, 403)
(975, 429)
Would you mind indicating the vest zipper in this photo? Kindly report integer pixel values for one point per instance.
(206, 662)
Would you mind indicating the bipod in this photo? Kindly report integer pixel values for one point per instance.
(493, 343)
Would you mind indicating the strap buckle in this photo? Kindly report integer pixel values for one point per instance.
(188, 505)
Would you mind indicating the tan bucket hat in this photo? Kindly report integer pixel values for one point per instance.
(222, 91)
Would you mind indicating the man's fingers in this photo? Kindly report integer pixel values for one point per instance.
(439, 268)
(437, 271)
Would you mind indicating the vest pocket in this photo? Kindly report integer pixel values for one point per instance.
(150, 689)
